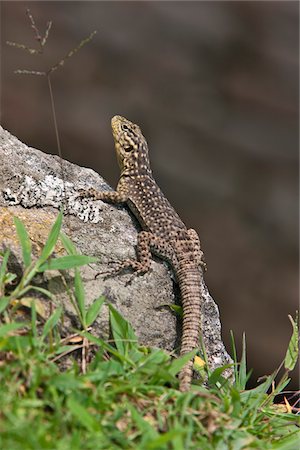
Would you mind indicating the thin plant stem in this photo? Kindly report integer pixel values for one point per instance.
(42, 40)
(54, 116)
(61, 161)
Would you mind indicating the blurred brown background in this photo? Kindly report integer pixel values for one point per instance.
(214, 86)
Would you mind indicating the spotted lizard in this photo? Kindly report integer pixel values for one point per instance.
(164, 233)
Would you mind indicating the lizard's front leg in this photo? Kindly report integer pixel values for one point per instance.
(106, 196)
(143, 261)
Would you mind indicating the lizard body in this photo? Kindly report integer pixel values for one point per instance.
(163, 233)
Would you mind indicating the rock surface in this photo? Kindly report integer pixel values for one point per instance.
(33, 186)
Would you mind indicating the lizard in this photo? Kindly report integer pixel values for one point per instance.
(163, 232)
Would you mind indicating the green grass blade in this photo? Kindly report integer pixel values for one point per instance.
(24, 241)
(3, 266)
(43, 291)
(234, 356)
(4, 301)
(143, 426)
(291, 442)
(94, 310)
(124, 336)
(66, 262)
(80, 296)
(52, 239)
(292, 353)
(254, 398)
(178, 363)
(163, 439)
(52, 321)
(8, 327)
(216, 377)
(242, 368)
(9, 278)
(68, 244)
(177, 309)
(83, 416)
(235, 401)
(102, 344)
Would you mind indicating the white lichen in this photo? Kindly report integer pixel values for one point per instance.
(54, 191)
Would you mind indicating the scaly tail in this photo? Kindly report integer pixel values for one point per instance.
(189, 277)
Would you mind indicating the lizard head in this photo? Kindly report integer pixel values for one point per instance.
(131, 146)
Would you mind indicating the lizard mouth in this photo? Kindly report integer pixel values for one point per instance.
(116, 122)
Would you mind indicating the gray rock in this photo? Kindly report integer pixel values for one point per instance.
(34, 186)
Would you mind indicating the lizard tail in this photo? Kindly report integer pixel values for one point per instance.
(190, 287)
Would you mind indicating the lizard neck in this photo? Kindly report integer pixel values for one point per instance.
(138, 163)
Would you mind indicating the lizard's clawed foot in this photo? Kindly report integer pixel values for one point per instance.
(111, 272)
(137, 267)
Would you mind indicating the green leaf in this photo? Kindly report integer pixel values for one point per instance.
(63, 349)
(67, 381)
(4, 301)
(66, 262)
(24, 240)
(241, 376)
(80, 296)
(83, 416)
(252, 398)
(165, 438)
(43, 291)
(216, 376)
(9, 277)
(177, 309)
(94, 310)
(102, 344)
(290, 442)
(51, 241)
(4, 266)
(142, 425)
(156, 357)
(124, 336)
(236, 402)
(178, 363)
(107, 369)
(291, 356)
(68, 244)
(234, 355)
(52, 321)
(8, 327)
(242, 369)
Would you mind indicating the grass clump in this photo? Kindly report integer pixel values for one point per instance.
(127, 397)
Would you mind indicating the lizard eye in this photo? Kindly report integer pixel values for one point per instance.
(128, 129)
(128, 148)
